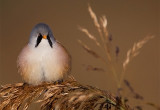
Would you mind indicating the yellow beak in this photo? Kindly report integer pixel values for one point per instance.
(44, 37)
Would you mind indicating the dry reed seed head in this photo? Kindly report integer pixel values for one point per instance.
(104, 35)
(93, 53)
(135, 95)
(103, 21)
(106, 39)
(134, 51)
(102, 29)
(95, 21)
(138, 107)
(89, 35)
(117, 51)
(85, 47)
(92, 68)
(65, 96)
(110, 38)
(153, 105)
(93, 16)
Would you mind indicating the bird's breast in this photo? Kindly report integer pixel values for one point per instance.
(44, 63)
(54, 62)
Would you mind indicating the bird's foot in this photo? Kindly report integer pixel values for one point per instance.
(58, 81)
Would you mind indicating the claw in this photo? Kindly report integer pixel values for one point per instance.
(58, 81)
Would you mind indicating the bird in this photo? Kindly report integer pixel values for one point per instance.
(43, 59)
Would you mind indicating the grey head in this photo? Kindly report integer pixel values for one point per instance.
(41, 32)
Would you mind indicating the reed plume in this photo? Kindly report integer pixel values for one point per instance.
(101, 26)
(68, 95)
(135, 50)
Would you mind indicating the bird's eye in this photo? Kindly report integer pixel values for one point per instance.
(39, 38)
(39, 35)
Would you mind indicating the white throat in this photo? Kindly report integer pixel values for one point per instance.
(44, 43)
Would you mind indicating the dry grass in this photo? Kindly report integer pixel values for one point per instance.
(69, 95)
(89, 35)
(133, 52)
(101, 26)
(105, 44)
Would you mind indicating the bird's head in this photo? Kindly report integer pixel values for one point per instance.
(41, 32)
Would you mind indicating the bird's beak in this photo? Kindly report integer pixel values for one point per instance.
(44, 37)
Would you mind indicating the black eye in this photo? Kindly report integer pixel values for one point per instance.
(49, 41)
(39, 38)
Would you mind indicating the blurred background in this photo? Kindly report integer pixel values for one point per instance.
(128, 22)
